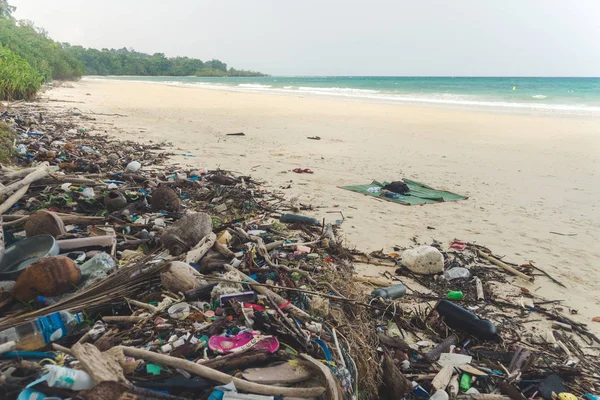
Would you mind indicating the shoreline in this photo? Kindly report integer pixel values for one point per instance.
(376, 97)
(526, 176)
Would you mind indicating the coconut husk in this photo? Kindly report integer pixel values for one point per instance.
(44, 223)
(186, 233)
(50, 276)
(165, 199)
(181, 277)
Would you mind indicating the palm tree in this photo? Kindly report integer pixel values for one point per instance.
(6, 9)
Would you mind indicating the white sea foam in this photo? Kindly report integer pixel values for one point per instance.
(254, 86)
(539, 96)
(326, 90)
(456, 100)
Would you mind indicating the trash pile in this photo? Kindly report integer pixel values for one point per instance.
(126, 276)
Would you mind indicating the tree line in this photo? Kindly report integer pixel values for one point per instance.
(29, 58)
(130, 62)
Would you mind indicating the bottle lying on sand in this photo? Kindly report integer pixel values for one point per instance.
(392, 292)
(464, 320)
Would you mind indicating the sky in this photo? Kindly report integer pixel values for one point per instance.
(331, 37)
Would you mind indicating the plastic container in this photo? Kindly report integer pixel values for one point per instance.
(392, 292)
(455, 295)
(25, 252)
(36, 334)
(461, 319)
(67, 378)
(456, 273)
(465, 382)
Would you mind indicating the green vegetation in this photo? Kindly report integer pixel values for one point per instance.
(18, 80)
(44, 54)
(28, 58)
(130, 62)
(7, 138)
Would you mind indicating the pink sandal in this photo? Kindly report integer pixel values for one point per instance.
(243, 342)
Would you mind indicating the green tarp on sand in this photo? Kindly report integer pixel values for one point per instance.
(419, 193)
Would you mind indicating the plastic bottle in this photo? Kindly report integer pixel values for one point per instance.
(298, 219)
(462, 319)
(98, 266)
(36, 334)
(392, 292)
(67, 378)
(465, 382)
(455, 295)
(456, 273)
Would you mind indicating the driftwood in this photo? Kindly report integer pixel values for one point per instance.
(13, 198)
(39, 173)
(66, 218)
(12, 175)
(200, 250)
(121, 319)
(333, 390)
(99, 367)
(508, 268)
(395, 382)
(453, 387)
(221, 377)
(297, 312)
(444, 346)
(442, 379)
(2, 249)
(236, 360)
(479, 288)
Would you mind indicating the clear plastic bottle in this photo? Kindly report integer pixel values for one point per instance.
(456, 273)
(391, 292)
(100, 265)
(36, 334)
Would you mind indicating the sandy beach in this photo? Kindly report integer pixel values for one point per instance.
(526, 176)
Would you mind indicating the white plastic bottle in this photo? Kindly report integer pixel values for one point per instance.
(36, 334)
(67, 378)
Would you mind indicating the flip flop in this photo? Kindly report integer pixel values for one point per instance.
(308, 171)
(242, 342)
(298, 170)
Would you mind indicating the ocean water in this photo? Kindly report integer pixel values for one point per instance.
(576, 96)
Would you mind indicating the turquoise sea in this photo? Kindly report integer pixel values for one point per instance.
(579, 96)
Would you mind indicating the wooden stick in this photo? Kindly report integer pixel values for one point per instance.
(479, 287)
(373, 261)
(16, 174)
(505, 266)
(13, 198)
(66, 218)
(221, 377)
(372, 281)
(39, 173)
(116, 319)
(547, 274)
(442, 379)
(200, 249)
(2, 248)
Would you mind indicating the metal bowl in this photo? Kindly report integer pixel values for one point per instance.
(24, 253)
